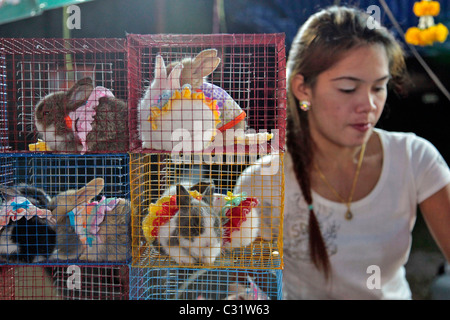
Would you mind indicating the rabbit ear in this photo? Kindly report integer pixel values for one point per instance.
(174, 77)
(90, 191)
(66, 201)
(208, 194)
(8, 192)
(205, 63)
(160, 72)
(202, 185)
(182, 196)
(80, 91)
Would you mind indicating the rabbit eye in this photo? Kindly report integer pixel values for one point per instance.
(45, 113)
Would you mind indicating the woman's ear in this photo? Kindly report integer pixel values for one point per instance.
(300, 89)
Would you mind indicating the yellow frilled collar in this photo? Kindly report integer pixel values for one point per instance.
(184, 94)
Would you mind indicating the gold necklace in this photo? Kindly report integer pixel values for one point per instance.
(348, 203)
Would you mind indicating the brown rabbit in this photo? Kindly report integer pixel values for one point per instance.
(112, 242)
(60, 119)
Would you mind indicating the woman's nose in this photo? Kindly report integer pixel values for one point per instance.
(367, 102)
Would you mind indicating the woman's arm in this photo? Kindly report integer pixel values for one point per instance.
(436, 212)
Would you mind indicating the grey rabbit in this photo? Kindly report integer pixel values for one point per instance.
(194, 234)
(113, 245)
(113, 242)
(40, 239)
(65, 124)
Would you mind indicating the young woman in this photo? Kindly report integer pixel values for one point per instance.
(351, 190)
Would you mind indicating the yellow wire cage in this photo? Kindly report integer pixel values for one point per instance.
(249, 236)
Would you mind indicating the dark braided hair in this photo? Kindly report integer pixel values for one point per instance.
(320, 43)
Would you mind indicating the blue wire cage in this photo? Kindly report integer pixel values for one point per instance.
(204, 284)
(56, 225)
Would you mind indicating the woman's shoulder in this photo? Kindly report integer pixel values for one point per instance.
(395, 136)
(397, 141)
(410, 147)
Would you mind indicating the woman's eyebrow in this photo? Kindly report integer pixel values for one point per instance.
(359, 80)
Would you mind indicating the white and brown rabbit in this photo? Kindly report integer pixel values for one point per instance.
(193, 234)
(83, 119)
(104, 237)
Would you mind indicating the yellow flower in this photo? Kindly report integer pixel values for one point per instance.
(426, 37)
(230, 196)
(441, 32)
(412, 36)
(426, 8)
(195, 194)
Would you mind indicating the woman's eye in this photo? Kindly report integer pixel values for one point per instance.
(378, 89)
(347, 90)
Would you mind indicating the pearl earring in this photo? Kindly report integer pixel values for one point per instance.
(305, 105)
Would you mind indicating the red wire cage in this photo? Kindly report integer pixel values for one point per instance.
(33, 69)
(251, 70)
(58, 282)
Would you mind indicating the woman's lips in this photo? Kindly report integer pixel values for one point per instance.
(361, 127)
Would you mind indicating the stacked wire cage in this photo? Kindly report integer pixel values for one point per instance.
(82, 201)
(65, 209)
(203, 110)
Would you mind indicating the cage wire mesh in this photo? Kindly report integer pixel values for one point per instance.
(38, 68)
(4, 141)
(57, 282)
(47, 232)
(248, 234)
(71, 208)
(91, 282)
(7, 283)
(248, 81)
(204, 284)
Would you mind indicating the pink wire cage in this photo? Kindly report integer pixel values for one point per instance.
(252, 71)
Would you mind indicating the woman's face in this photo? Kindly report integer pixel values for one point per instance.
(347, 100)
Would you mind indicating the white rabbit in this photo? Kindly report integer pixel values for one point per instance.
(232, 118)
(240, 216)
(169, 113)
(264, 180)
(247, 215)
